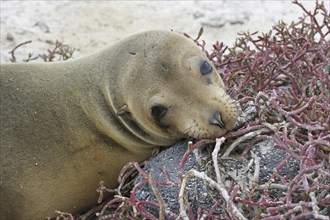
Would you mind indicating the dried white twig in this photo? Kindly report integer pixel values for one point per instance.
(242, 139)
(162, 205)
(220, 187)
(218, 143)
(255, 179)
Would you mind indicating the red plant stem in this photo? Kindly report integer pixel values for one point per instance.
(243, 131)
(289, 118)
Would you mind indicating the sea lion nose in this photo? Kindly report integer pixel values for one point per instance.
(217, 120)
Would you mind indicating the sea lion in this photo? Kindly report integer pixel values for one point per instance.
(65, 126)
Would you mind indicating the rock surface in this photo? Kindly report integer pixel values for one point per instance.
(199, 195)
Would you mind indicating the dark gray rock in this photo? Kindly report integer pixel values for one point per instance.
(169, 160)
(200, 196)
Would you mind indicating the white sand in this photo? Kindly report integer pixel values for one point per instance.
(90, 25)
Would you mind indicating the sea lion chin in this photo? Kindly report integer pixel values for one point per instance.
(66, 126)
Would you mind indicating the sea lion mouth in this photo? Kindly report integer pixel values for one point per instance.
(199, 132)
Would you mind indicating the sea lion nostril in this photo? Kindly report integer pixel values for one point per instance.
(217, 120)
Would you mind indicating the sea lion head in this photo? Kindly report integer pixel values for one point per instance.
(172, 90)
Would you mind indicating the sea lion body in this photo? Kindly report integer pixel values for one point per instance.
(66, 126)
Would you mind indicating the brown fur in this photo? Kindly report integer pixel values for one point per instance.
(60, 132)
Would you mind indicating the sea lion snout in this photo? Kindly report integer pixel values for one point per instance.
(217, 120)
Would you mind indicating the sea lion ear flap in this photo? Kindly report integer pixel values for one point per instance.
(123, 110)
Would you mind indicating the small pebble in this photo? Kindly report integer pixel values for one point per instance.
(43, 26)
(10, 37)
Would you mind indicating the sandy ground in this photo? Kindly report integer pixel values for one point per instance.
(90, 25)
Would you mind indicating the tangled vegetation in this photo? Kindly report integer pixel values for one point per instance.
(286, 74)
(60, 51)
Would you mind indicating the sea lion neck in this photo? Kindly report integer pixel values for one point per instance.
(106, 98)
